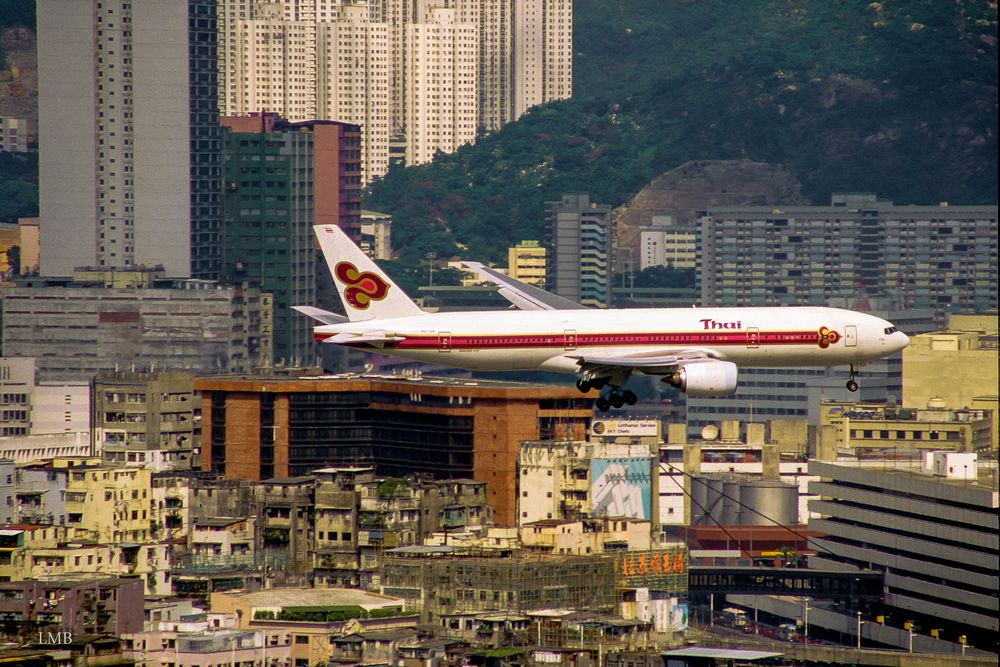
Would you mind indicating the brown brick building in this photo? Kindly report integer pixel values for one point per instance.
(256, 428)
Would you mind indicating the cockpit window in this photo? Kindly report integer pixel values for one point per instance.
(890, 330)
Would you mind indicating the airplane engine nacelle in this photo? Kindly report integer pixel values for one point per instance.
(709, 378)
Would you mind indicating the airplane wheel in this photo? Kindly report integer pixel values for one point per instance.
(583, 385)
(630, 397)
(852, 385)
(603, 404)
(617, 400)
(599, 383)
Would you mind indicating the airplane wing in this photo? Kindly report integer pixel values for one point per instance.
(645, 362)
(324, 316)
(522, 295)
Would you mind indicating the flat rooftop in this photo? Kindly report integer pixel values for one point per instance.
(314, 597)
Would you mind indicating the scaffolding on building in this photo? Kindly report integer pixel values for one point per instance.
(436, 581)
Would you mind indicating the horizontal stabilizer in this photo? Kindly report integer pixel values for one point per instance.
(324, 316)
(368, 338)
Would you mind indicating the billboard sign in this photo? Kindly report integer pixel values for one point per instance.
(620, 487)
(615, 428)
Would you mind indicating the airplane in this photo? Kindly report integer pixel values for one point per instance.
(698, 350)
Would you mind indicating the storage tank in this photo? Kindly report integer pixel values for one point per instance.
(731, 501)
(699, 499)
(773, 499)
(714, 487)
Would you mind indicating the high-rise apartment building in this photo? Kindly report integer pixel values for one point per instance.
(309, 60)
(267, 62)
(282, 178)
(941, 257)
(496, 63)
(543, 53)
(442, 106)
(580, 243)
(356, 62)
(353, 81)
(128, 135)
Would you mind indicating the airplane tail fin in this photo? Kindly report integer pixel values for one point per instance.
(366, 291)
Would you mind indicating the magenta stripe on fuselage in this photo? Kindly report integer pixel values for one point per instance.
(494, 341)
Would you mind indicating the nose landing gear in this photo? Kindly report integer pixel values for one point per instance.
(852, 385)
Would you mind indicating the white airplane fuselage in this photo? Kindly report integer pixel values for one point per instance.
(553, 340)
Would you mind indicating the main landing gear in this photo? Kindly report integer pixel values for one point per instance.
(616, 399)
(852, 385)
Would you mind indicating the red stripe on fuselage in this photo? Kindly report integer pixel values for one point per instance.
(500, 341)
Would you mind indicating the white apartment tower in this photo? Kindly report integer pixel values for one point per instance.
(353, 81)
(268, 63)
(496, 43)
(442, 107)
(543, 52)
(304, 58)
(128, 137)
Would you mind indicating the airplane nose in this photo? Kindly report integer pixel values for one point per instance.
(901, 341)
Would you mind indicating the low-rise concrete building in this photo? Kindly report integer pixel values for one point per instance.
(150, 420)
(585, 536)
(875, 431)
(80, 604)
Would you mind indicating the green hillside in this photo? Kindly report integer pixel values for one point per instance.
(897, 97)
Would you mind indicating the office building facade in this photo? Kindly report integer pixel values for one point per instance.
(282, 178)
(30, 407)
(143, 189)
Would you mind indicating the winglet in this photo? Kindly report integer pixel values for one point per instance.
(366, 291)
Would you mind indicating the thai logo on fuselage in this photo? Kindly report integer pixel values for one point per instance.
(363, 287)
(827, 337)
